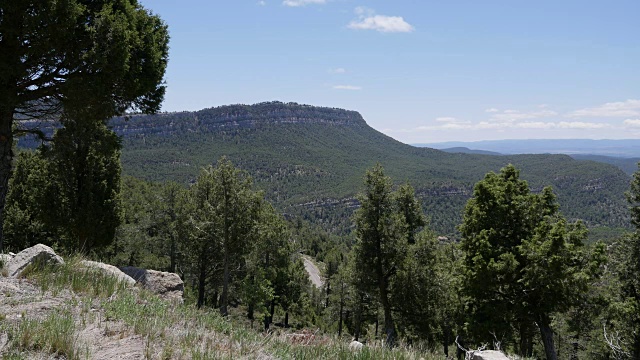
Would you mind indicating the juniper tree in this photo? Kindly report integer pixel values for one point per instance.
(381, 242)
(629, 273)
(221, 222)
(108, 56)
(523, 261)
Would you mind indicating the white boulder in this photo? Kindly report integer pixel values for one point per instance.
(109, 270)
(35, 254)
(168, 285)
(356, 345)
(489, 355)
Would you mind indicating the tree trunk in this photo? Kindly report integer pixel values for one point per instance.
(269, 319)
(636, 346)
(224, 298)
(446, 339)
(389, 326)
(250, 312)
(201, 285)
(6, 158)
(340, 318)
(172, 254)
(286, 319)
(326, 305)
(526, 338)
(357, 323)
(544, 323)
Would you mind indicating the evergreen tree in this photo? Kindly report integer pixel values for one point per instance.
(221, 222)
(523, 261)
(415, 289)
(28, 202)
(381, 243)
(629, 272)
(409, 206)
(85, 169)
(108, 56)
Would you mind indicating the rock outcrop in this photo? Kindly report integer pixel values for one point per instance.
(35, 254)
(489, 355)
(109, 270)
(167, 285)
(4, 258)
(356, 345)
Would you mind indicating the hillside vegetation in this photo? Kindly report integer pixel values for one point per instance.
(310, 160)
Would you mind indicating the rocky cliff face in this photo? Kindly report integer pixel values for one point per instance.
(230, 117)
(216, 119)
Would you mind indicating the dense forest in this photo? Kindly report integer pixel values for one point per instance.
(236, 199)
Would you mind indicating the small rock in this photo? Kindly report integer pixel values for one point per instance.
(489, 355)
(109, 270)
(4, 258)
(4, 339)
(356, 345)
(168, 285)
(34, 254)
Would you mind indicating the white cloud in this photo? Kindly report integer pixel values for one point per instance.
(296, 3)
(262, 3)
(452, 120)
(582, 125)
(501, 126)
(347, 87)
(515, 115)
(634, 123)
(337, 71)
(368, 20)
(491, 110)
(629, 108)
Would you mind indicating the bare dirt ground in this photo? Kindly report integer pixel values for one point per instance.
(97, 337)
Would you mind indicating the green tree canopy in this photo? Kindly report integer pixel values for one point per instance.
(523, 261)
(104, 57)
(381, 242)
(85, 170)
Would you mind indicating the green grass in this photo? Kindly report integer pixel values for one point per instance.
(169, 330)
(55, 335)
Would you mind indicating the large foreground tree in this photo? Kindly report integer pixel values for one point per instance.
(629, 273)
(523, 261)
(221, 220)
(381, 243)
(108, 56)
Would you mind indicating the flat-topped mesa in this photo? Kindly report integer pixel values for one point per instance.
(230, 117)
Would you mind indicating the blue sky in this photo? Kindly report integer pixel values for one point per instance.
(417, 70)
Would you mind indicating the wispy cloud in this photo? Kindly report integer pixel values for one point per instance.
(368, 20)
(626, 108)
(262, 3)
(337, 71)
(633, 123)
(452, 120)
(296, 3)
(491, 110)
(515, 115)
(347, 87)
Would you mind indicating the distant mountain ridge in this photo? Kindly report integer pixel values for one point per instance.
(310, 162)
(629, 148)
(234, 117)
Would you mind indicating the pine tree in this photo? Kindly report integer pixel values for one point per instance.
(221, 221)
(630, 269)
(85, 169)
(107, 56)
(523, 262)
(381, 241)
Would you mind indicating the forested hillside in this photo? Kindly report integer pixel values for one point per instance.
(310, 160)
